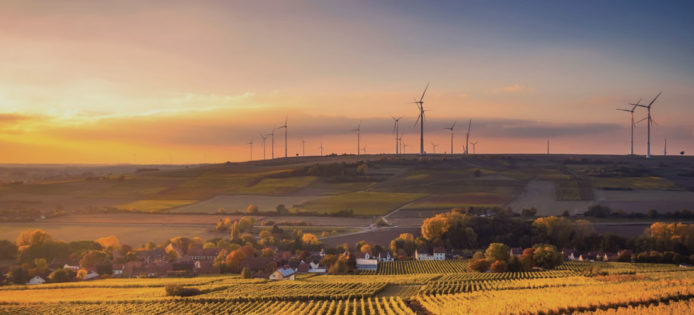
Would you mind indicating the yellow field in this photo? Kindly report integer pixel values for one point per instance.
(154, 205)
(362, 203)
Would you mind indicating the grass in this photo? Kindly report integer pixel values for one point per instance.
(278, 186)
(572, 190)
(362, 203)
(154, 205)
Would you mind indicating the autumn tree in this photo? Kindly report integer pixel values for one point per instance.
(547, 256)
(252, 209)
(309, 239)
(108, 241)
(498, 266)
(59, 275)
(497, 251)
(33, 237)
(403, 245)
(246, 224)
(433, 228)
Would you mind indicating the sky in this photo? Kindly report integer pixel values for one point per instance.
(195, 82)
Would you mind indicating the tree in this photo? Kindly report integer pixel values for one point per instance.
(480, 265)
(17, 275)
(363, 169)
(41, 265)
(246, 274)
(403, 245)
(92, 258)
(7, 249)
(235, 233)
(33, 237)
(246, 224)
(547, 256)
(281, 209)
(108, 241)
(309, 239)
(498, 266)
(434, 227)
(365, 248)
(81, 274)
(59, 275)
(339, 267)
(529, 212)
(252, 209)
(497, 251)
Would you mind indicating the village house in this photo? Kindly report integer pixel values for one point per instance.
(366, 262)
(205, 267)
(283, 274)
(198, 254)
(36, 280)
(570, 254)
(117, 270)
(438, 254)
(516, 251)
(316, 268)
(91, 275)
(385, 256)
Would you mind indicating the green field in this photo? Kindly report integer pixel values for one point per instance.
(153, 205)
(362, 203)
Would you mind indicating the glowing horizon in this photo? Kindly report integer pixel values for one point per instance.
(173, 82)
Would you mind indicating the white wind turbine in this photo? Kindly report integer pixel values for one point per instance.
(452, 133)
(396, 129)
(420, 120)
(434, 146)
(650, 121)
(285, 136)
(272, 143)
(251, 151)
(467, 137)
(321, 149)
(358, 130)
(264, 137)
(303, 147)
(633, 124)
(474, 147)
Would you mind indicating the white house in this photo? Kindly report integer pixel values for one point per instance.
(385, 256)
(316, 268)
(283, 274)
(91, 276)
(74, 268)
(366, 262)
(439, 254)
(36, 280)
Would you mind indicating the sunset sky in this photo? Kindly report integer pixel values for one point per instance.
(187, 81)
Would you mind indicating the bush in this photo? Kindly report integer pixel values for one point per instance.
(59, 275)
(245, 273)
(178, 290)
(480, 265)
(498, 266)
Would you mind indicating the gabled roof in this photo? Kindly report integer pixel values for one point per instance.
(286, 272)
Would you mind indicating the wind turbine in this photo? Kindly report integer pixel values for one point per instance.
(404, 146)
(631, 111)
(434, 145)
(665, 148)
(396, 129)
(467, 137)
(547, 146)
(264, 137)
(358, 130)
(420, 120)
(321, 149)
(272, 143)
(285, 136)
(251, 144)
(303, 147)
(364, 149)
(451, 129)
(474, 147)
(650, 121)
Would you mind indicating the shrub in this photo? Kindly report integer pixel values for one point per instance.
(480, 265)
(178, 290)
(498, 266)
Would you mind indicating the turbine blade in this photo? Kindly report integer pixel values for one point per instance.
(425, 91)
(655, 98)
(644, 118)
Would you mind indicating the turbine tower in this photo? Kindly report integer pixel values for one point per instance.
(474, 147)
(650, 121)
(665, 148)
(547, 146)
(396, 129)
(434, 146)
(272, 143)
(420, 120)
(251, 144)
(285, 136)
(631, 111)
(467, 137)
(404, 146)
(451, 129)
(358, 130)
(321, 149)
(264, 137)
(364, 149)
(303, 147)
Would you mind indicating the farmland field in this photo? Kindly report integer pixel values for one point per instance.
(419, 287)
(362, 203)
(241, 202)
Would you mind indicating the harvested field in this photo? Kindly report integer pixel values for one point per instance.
(154, 205)
(381, 236)
(540, 195)
(644, 200)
